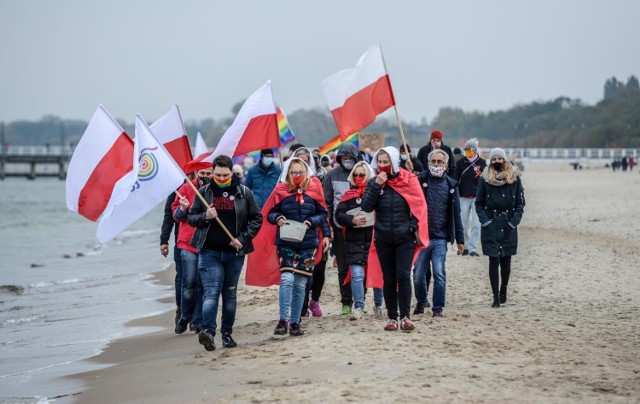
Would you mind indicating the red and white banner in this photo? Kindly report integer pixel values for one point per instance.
(201, 146)
(355, 96)
(170, 131)
(102, 158)
(255, 126)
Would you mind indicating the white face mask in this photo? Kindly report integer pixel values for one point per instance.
(348, 164)
(267, 161)
(437, 171)
(403, 156)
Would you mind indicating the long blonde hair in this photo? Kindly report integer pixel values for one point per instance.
(305, 183)
(508, 174)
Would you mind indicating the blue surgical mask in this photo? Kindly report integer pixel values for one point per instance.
(403, 156)
(267, 161)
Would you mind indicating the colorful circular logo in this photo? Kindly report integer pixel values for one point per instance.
(148, 167)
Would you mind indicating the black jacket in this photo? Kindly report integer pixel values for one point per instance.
(168, 223)
(417, 165)
(468, 176)
(500, 210)
(423, 156)
(357, 239)
(394, 222)
(248, 218)
(453, 222)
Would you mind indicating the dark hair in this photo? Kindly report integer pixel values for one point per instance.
(401, 148)
(223, 161)
(295, 147)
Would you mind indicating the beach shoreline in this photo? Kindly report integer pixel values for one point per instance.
(566, 334)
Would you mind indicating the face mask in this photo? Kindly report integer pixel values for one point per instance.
(469, 153)
(403, 156)
(348, 163)
(298, 180)
(205, 180)
(437, 171)
(360, 182)
(267, 161)
(497, 166)
(223, 184)
(385, 169)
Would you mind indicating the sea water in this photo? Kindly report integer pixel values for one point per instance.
(63, 296)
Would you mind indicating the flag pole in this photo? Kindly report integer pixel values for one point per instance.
(395, 107)
(208, 207)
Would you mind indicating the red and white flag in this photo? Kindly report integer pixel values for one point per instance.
(170, 131)
(255, 126)
(156, 176)
(102, 158)
(355, 96)
(201, 146)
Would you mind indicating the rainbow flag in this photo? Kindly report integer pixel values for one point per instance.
(335, 142)
(286, 135)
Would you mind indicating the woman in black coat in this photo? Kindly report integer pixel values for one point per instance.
(500, 206)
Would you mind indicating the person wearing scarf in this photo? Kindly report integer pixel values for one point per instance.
(220, 258)
(300, 199)
(357, 235)
(500, 206)
(400, 232)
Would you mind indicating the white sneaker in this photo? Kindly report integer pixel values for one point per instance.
(357, 314)
(377, 312)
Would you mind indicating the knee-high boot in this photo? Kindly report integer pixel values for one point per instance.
(494, 278)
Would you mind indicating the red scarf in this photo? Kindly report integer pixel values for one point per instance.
(263, 264)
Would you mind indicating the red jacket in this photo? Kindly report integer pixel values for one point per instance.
(185, 232)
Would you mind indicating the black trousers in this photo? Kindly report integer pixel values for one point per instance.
(505, 271)
(395, 260)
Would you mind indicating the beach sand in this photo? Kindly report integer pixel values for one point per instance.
(568, 333)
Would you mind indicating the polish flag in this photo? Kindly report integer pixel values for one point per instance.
(102, 158)
(170, 131)
(355, 96)
(255, 126)
(201, 146)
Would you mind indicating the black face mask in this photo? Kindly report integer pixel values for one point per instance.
(205, 180)
(497, 166)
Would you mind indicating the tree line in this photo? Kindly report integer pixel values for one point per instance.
(562, 122)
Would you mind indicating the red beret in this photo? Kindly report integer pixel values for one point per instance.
(436, 134)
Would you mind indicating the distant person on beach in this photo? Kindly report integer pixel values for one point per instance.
(263, 177)
(624, 163)
(443, 204)
(191, 296)
(165, 233)
(468, 172)
(400, 229)
(220, 259)
(631, 162)
(500, 206)
(358, 236)
(435, 142)
(300, 200)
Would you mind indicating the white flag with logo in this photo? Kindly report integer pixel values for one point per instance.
(157, 176)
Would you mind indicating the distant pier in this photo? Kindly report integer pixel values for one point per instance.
(34, 161)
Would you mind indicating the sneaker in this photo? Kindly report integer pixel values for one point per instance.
(365, 309)
(205, 337)
(295, 330)
(177, 315)
(437, 313)
(419, 309)
(192, 327)
(357, 314)
(377, 312)
(281, 328)
(406, 325)
(315, 308)
(392, 325)
(345, 310)
(473, 254)
(427, 304)
(227, 341)
(465, 252)
(181, 326)
(306, 314)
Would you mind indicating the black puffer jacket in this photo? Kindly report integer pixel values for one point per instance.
(310, 211)
(357, 240)
(394, 221)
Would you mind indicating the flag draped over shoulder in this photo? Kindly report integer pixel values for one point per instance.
(254, 128)
(102, 158)
(170, 131)
(201, 146)
(156, 176)
(355, 96)
(335, 142)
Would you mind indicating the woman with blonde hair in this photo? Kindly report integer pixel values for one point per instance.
(500, 206)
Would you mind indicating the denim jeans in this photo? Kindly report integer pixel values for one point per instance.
(177, 258)
(291, 295)
(343, 268)
(219, 272)
(191, 304)
(436, 255)
(471, 234)
(378, 297)
(358, 289)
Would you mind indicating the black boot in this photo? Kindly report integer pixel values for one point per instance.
(496, 301)
(503, 295)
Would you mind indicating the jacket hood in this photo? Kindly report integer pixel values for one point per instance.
(393, 153)
(346, 149)
(285, 168)
(358, 164)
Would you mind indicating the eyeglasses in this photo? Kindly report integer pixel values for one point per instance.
(359, 175)
(296, 173)
(438, 162)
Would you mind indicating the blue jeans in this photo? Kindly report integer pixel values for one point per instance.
(378, 297)
(219, 273)
(436, 253)
(291, 295)
(191, 303)
(177, 258)
(471, 235)
(358, 289)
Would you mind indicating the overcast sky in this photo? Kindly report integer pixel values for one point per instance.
(66, 57)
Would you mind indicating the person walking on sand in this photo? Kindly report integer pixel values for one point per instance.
(468, 172)
(220, 259)
(400, 231)
(358, 235)
(500, 206)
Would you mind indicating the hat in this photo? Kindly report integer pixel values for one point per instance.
(497, 152)
(472, 144)
(456, 150)
(265, 151)
(436, 134)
